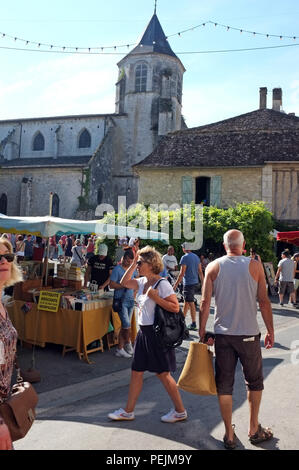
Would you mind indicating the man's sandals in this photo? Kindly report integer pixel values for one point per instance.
(262, 435)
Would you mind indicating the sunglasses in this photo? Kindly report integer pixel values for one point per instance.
(140, 262)
(8, 256)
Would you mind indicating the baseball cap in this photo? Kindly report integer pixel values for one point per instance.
(103, 249)
(122, 241)
(132, 241)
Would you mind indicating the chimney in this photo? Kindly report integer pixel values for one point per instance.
(263, 97)
(277, 99)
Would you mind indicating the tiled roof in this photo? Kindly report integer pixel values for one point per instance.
(247, 140)
(45, 162)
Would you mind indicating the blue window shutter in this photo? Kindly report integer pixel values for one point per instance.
(215, 191)
(187, 189)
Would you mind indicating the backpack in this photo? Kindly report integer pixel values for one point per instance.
(169, 327)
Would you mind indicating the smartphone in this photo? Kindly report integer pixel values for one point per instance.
(208, 335)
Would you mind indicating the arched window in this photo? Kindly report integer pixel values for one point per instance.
(3, 204)
(39, 142)
(55, 206)
(140, 77)
(84, 139)
(100, 196)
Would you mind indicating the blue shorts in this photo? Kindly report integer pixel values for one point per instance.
(126, 313)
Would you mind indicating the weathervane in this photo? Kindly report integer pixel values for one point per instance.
(155, 7)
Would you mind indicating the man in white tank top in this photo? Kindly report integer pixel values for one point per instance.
(237, 282)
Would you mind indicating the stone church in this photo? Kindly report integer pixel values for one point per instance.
(87, 160)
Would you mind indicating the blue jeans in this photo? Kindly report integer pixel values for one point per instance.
(126, 313)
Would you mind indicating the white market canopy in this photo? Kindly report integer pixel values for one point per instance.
(48, 226)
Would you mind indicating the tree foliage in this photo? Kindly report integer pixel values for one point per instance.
(253, 219)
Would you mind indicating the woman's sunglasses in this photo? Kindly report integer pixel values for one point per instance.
(140, 262)
(8, 256)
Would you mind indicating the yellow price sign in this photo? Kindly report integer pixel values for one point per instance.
(49, 301)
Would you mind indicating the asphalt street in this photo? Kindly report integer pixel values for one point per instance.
(75, 398)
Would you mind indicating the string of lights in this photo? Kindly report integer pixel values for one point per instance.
(101, 49)
(212, 51)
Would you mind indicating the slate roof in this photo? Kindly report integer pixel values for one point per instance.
(250, 139)
(153, 40)
(45, 162)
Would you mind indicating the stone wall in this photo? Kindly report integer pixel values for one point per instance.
(286, 191)
(28, 190)
(165, 186)
(61, 136)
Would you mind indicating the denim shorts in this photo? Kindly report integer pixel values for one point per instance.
(126, 313)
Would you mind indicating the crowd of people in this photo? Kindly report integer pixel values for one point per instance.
(145, 278)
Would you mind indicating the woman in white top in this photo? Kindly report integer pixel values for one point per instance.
(148, 355)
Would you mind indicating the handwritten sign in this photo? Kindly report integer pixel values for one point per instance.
(49, 301)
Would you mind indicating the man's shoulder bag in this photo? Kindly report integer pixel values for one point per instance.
(18, 410)
(169, 327)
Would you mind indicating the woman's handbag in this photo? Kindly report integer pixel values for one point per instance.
(169, 327)
(18, 410)
(197, 375)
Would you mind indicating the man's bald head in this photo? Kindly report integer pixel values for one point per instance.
(233, 239)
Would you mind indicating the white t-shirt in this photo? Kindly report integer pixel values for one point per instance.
(146, 306)
(170, 261)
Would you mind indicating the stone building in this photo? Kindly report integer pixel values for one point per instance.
(254, 156)
(87, 159)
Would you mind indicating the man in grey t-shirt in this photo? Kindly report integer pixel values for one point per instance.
(286, 274)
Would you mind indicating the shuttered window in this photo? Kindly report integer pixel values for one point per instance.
(215, 192)
(187, 189)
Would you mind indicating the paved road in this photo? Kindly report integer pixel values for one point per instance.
(74, 399)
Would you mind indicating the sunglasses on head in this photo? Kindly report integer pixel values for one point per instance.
(8, 256)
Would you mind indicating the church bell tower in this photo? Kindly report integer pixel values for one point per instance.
(149, 91)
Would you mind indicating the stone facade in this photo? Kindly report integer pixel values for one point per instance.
(165, 186)
(28, 190)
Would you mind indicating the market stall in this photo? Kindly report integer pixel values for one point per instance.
(288, 237)
(78, 317)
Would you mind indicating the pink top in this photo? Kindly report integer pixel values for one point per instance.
(8, 347)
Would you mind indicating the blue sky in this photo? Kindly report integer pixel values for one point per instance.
(216, 85)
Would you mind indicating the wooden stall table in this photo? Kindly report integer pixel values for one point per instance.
(73, 329)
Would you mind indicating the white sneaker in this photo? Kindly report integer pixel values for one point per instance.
(129, 348)
(174, 416)
(121, 415)
(122, 353)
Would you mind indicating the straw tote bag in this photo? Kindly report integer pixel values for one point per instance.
(198, 373)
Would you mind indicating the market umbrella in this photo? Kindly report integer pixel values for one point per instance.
(288, 237)
(48, 226)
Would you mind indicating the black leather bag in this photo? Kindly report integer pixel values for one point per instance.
(169, 327)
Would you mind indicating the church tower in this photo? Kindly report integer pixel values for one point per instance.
(149, 91)
(148, 106)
